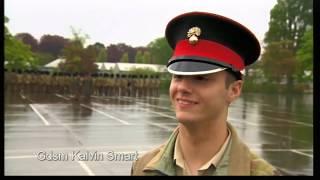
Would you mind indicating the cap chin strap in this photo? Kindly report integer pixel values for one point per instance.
(195, 73)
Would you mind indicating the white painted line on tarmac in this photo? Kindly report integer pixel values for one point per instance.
(161, 126)
(301, 153)
(267, 132)
(250, 123)
(22, 125)
(277, 119)
(279, 150)
(159, 107)
(232, 119)
(173, 117)
(78, 124)
(161, 114)
(68, 99)
(86, 168)
(246, 122)
(20, 157)
(108, 124)
(149, 97)
(15, 114)
(141, 103)
(280, 120)
(157, 124)
(294, 122)
(41, 117)
(282, 111)
(16, 105)
(108, 115)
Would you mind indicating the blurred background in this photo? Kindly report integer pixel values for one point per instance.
(90, 76)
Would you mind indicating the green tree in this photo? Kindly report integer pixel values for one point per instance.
(305, 57)
(102, 55)
(278, 61)
(124, 58)
(146, 57)
(52, 44)
(100, 51)
(139, 57)
(28, 39)
(77, 57)
(77, 36)
(289, 20)
(44, 58)
(17, 54)
(160, 51)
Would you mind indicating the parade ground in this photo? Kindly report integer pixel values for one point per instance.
(50, 134)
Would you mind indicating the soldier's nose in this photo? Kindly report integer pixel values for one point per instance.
(184, 86)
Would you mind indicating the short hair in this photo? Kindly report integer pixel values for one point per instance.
(232, 76)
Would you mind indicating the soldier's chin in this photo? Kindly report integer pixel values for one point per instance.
(185, 118)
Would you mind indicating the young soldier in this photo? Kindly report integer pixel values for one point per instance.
(209, 52)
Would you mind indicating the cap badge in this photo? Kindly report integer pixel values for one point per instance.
(193, 35)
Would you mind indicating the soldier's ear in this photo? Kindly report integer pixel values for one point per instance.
(234, 90)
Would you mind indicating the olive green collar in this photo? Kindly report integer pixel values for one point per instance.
(235, 161)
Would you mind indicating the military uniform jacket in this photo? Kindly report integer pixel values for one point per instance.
(237, 160)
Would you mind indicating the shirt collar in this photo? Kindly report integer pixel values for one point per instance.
(179, 160)
(217, 157)
(235, 161)
(177, 156)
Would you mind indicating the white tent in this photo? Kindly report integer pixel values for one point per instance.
(116, 67)
(106, 66)
(55, 63)
(124, 67)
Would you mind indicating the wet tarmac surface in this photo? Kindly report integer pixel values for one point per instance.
(48, 134)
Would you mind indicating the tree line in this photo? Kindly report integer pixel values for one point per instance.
(285, 65)
(51, 47)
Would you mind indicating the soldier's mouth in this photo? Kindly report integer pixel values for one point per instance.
(183, 101)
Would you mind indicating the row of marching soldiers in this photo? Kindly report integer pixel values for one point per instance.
(76, 84)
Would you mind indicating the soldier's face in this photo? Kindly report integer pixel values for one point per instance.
(202, 97)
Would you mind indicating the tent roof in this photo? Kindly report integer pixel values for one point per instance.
(130, 66)
(55, 63)
(117, 66)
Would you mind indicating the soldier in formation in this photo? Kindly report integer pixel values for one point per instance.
(79, 85)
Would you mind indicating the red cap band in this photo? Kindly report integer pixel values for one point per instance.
(210, 50)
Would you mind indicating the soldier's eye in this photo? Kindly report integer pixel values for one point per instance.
(177, 77)
(200, 78)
